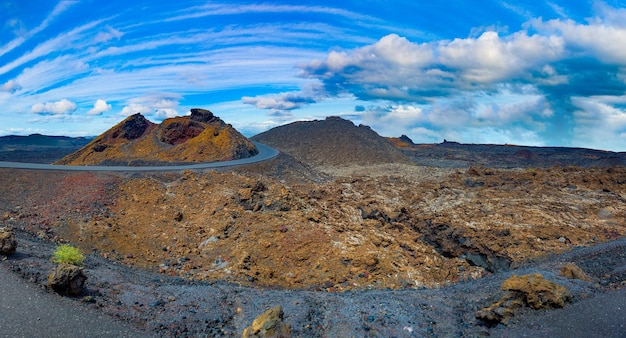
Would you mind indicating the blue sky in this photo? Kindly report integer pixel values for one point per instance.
(489, 71)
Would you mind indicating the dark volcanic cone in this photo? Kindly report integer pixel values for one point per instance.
(333, 141)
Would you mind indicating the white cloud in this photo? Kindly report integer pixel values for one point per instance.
(597, 39)
(157, 107)
(55, 108)
(491, 59)
(599, 125)
(10, 86)
(99, 107)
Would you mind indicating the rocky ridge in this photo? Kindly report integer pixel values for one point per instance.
(200, 137)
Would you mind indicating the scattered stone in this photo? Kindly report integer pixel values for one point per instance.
(501, 311)
(269, 324)
(531, 290)
(572, 271)
(67, 279)
(8, 244)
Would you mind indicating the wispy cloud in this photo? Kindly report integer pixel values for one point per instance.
(61, 7)
(213, 9)
(60, 43)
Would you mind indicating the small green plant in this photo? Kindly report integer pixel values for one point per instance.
(69, 255)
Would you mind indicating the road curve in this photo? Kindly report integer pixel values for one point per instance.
(265, 153)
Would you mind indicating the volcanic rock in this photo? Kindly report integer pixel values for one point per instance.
(573, 271)
(8, 244)
(269, 324)
(200, 137)
(332, 142)
(531, 290)
(67, 279)
(402, 141)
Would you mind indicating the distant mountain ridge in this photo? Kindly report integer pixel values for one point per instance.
(199, 137)
(332, 142)
(13, 141)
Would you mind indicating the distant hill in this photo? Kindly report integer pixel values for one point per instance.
(37, 148)
(332, 142)
(200, 137)
(15, 141)
(458, 155)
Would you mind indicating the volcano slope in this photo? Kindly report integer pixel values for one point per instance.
(200, 137)
(327, 227)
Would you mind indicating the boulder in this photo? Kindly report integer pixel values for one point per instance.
(572, 271)
(269, 324)
(537, 292)
(531, 290)
(8, 244)
(67, 279)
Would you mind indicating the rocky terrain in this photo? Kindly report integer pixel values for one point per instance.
(200, 137)
(373, 246)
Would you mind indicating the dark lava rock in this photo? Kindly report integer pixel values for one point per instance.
(8, 244)
(202, 115)
(133, 127)
(67, 279)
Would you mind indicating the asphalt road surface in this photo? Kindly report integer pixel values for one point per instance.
(28, 311)
(265, 153)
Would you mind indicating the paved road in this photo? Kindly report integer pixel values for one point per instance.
(28, 311)
(265, 153)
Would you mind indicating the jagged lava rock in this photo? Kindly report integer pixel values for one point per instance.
(531, 290)
(269, 324)
(332, 142)
(537, 291)
(199, 137)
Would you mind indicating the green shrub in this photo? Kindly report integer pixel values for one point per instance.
(69, 255)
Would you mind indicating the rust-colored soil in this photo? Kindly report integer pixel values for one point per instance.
(383, 226)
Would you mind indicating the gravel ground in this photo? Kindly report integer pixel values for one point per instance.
(159, 305)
